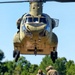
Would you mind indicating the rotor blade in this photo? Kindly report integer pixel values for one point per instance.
(36, 1)
(21, 1)
(65, 0)
(12, 2)
(62, 0)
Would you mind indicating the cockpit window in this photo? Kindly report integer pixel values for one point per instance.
(28, 15)
(35, 19)
(43, 20)
(29, 19)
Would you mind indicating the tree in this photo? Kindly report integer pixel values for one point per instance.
(1, 64)
(33, 68)
(46, 61)
(1, 55)
(6, 73)
(60, 65)
(9, 66)
(22, 66)
(70, 68)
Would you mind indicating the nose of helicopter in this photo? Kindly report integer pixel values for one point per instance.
(36, 24)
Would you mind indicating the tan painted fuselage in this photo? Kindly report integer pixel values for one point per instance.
(26, 43)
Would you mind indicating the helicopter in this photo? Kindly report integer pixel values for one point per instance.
(34, 35)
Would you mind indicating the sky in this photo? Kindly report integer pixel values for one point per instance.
(65, 12)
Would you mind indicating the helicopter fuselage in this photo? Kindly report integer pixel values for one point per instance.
(35, 32)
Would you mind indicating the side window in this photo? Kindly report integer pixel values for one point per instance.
(55, 23)
(43, 20)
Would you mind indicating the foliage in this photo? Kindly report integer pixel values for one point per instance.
(60, 65)
(46, 61)
(24, 67)
(1, 55)
(70, 68)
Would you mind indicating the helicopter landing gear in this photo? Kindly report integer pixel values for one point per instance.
(16, 55)
(54, 55)
(35, 50)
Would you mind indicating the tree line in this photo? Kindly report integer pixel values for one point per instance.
(24, 67)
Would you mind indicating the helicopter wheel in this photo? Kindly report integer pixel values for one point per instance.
(16, 55)
(54, 56)
(35, 51)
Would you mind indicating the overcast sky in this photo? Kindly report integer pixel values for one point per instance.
(9, 13)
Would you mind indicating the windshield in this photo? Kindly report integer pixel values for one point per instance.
(43, 20)
(29, 19)
(35, 19)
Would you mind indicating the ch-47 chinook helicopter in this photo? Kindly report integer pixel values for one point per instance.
(34, 35)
